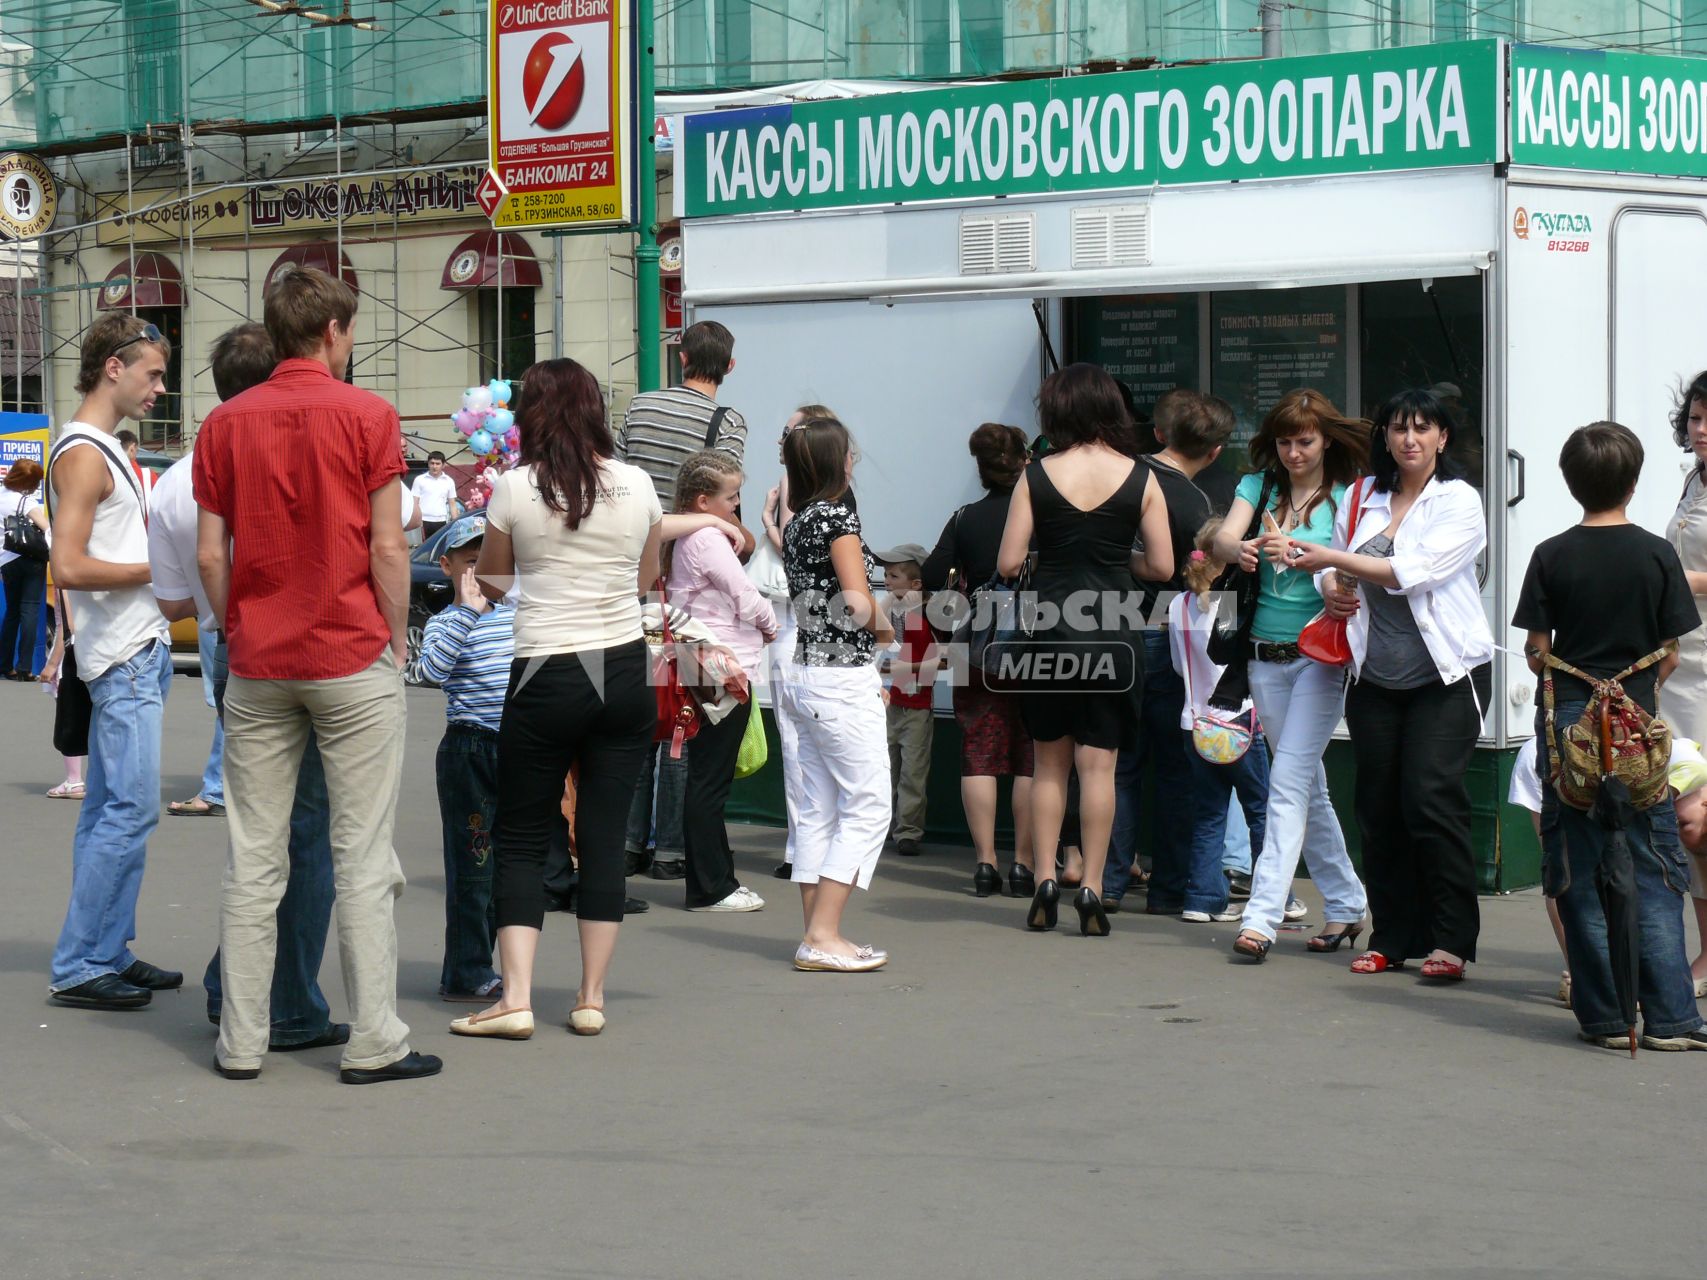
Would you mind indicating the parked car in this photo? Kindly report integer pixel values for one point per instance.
(429, 591)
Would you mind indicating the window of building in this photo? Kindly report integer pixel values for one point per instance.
(163, 430)
(519, 346)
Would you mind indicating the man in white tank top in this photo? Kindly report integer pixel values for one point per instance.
(100, 559)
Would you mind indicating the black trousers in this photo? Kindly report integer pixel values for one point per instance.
(711, 772)
(1413, 747)
(26, 583)
(594, 709)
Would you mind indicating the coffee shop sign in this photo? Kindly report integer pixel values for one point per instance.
(154, 217)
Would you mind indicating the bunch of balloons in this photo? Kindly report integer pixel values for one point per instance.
(486, 422)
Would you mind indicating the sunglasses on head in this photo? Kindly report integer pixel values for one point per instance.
(150, 333)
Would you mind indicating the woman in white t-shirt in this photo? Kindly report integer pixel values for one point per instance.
(25, 578)
(577, 533)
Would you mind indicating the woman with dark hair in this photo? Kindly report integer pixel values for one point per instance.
(993, 741)
(840, 788)
(25, 578)
(1420, 655)
(1307, 452)
(578, 533)
(1088, 504)
(1683, 698)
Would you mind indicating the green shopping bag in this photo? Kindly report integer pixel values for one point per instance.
(754, 749)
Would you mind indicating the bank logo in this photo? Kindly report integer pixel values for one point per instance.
(554, 80)
(28, 197)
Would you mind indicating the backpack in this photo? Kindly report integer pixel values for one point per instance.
(1613, 736)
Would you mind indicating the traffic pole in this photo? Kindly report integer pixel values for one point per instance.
(647, 320)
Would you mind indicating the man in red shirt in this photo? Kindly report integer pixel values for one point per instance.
(301, 551)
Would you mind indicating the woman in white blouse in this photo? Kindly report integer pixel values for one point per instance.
(1421, 648)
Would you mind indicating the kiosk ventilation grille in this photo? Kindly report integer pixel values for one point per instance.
(1111, 237)
(1005, 243)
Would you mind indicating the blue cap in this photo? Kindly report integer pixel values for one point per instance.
(467, 529)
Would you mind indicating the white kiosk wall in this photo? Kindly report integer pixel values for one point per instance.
(911, 381)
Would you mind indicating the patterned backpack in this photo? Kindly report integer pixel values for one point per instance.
(1613, 736)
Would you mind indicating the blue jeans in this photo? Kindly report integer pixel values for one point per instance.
(663, 819)
(1162, 745)
(1571, 843)
(121, 805)
(1213, 788)
(213, 774)
(1242, 835)
(299, 1011)
(467, 769)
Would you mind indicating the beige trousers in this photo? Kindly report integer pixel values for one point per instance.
(358, 721)
(910, 733)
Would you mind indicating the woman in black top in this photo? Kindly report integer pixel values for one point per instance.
(993, 741)
(1088, 503)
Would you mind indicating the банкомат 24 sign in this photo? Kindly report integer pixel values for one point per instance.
(560, 101)
(1415, 108)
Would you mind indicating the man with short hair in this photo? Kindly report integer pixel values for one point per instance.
(243, 358)
(302, 556)
(662, 428)
(435, 492)
(100, 560)
(131, 443)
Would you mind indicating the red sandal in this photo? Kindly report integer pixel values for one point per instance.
(1374, 962)
(1444, 970)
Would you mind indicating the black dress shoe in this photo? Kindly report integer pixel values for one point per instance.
(668, 869)
(415, 1066)
(236, 1073)
(1093, 916)
(1238, 886)
(986, 880)
(635, 906)
(634, 863)
(337, 1033)
(143, 974)
(907, 848)
(784, 871)
(560, 901)
(1111, 906)
(109, 991)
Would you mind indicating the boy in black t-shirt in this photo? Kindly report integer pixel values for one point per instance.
(1603, 595)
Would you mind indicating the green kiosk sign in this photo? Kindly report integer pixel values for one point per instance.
(1425, 107)
(1609, 111)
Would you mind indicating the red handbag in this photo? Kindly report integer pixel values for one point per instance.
(679, 715)
(1324, 639)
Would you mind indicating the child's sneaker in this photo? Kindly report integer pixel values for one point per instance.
(1696, 1039)
(743, 899)
(1209, 917)
(1295, 909)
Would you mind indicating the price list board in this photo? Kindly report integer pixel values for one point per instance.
(1149, 342)
(1264, 343)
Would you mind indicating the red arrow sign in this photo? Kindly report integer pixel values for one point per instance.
(490, 193)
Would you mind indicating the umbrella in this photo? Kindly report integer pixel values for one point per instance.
(1615, 878)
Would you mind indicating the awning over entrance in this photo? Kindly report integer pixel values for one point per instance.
(486, 257)
(151, 279)
(320, 255)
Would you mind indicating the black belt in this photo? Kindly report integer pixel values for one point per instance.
(471, 729)
(1264, 651)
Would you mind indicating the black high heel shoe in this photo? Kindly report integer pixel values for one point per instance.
(986, 880)
(1326, 942)
(1093, 920)
(1043, 907)
(1021, 883)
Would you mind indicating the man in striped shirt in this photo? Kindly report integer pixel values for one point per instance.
(662, 428)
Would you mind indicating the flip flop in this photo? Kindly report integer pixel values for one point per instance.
(66, 791)
(196, 808)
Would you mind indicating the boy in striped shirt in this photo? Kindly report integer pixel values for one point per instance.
(466, 649)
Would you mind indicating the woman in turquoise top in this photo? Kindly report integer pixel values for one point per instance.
(1307, 452)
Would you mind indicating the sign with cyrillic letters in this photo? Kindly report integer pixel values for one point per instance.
(1610, 111)
(1424, 107)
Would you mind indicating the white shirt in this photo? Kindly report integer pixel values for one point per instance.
(172, 541)
(1189, 629)
(1687, 772)
(112, 626)
(1434, 559)
(16, 504)
(577, 587)
(435, 494)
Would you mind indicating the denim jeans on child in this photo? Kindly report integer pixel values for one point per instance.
(299, 1012)
(121, 806)
(1160, 743)
(1243, 831)
(659, 817)
(1244, 783)
(1572, 843)
(213, 773)
(467, 765)
(1299, 703)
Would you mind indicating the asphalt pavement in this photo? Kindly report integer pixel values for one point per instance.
(992, 1104)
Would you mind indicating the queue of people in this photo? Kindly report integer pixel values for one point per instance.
(611, 572)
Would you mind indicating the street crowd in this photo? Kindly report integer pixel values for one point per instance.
(1117, 617)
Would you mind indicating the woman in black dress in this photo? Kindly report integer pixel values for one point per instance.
(1088, 503)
